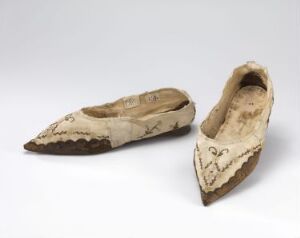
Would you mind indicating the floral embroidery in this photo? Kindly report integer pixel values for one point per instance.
(212, 169)
(151, 130)
(52, 128)
(217, 153)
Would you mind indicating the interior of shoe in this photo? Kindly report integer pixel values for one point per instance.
(154, 102)
(244, 110)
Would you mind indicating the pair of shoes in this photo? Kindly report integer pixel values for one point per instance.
(229, 140)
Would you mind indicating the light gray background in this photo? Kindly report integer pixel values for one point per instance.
(58, 56)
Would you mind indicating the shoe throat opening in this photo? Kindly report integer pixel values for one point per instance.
(238, 113)
(252, 79)
(155, 102)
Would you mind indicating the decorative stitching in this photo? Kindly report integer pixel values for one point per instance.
(211, 182)
(200, 160)
(60, 133)
(70, 117)
(208, 164)
(149, 131)
(217, 166)
(227, 166)
(249, 150)
(82, 133)
(175, 126)
(53, 127)
(214, 151)
(217, 153)
(205, 181)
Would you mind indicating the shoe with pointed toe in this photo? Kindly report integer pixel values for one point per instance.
(231, 138)
(101, 128)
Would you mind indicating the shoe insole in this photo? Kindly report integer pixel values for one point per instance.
(154, 102)
(243, 113)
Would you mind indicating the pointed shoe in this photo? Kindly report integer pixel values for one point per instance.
(101, 128)
(231, 138)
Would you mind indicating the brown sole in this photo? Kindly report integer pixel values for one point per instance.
(84, 147)
(240, 175)
(79, 147)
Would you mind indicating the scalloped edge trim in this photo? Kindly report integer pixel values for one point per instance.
(247, 167)
(232, 174)
(91, 146)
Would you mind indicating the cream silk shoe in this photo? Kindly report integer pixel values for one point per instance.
(231, 138)
(101, 128)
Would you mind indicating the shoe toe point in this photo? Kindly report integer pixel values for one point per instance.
(33, 147)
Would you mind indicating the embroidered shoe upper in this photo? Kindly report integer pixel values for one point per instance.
(119, 129)
(222, 146)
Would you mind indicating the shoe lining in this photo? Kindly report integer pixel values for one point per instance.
(243, 113)
(160, 101)
(239, 111)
